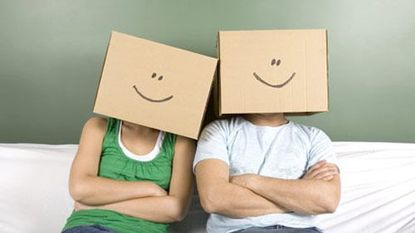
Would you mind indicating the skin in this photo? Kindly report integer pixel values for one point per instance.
(141, 199)
(214, 187)
(318, 191)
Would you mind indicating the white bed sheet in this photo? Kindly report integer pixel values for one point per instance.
(378, 189)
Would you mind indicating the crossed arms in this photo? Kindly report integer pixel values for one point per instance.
(238, 196)
(141, 199)
(318, 191)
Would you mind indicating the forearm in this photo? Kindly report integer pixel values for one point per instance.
(237, 202)
(99, 190)
(164, 209)
(300, 196)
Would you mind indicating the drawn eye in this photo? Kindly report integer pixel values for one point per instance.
(160, 78)
(275, 62)
(153, 75)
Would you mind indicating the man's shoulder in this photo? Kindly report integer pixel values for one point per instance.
(306, 128)
(306, 131)
(225, 124)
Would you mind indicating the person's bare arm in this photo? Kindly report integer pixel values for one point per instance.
(170, 208)
(86, 187)
(317, 192)
(218, 195)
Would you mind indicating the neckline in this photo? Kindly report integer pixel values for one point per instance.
(142, 158)
(265, 126)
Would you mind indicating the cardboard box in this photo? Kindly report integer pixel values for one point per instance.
(272, 71)
(155, 85)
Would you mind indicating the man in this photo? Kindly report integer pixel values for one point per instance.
(263, 173)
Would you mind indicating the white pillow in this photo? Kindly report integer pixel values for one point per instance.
(34, 194)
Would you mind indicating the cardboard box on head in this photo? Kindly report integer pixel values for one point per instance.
(272, 71)
(155, 85)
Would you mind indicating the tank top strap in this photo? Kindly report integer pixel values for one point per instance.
(168, 145)
(112, 132)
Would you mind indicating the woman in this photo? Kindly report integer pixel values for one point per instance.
(129, 178)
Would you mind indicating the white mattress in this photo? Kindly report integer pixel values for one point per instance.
(378, 189)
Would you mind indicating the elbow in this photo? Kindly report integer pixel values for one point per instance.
(178, 210)
(209, 202)
(78, 191)
(328, 205)
(333, 202)
(325, 208)
(331, 206)
(178, 215)
(209, 207)
(322, 208)
(329, 201)
(331, 210)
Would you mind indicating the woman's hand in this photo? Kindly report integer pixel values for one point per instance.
(156, 190)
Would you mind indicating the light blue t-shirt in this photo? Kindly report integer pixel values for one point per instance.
(285, 151)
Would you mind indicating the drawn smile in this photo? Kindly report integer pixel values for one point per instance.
(274, 85)
(275, 63)
(151, 99)
(154, 77)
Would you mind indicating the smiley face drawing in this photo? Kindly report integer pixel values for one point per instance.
(276, 63)
(160, 78)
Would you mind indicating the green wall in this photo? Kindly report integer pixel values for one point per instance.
(51, 55)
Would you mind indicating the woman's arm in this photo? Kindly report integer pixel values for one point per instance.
(86, 187)
(174, 206)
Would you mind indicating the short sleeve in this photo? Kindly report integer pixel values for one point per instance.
(212, 143)
(321, 148)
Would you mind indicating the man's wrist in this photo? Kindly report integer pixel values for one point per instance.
(252, 182)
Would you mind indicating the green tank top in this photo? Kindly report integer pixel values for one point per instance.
(114, 164)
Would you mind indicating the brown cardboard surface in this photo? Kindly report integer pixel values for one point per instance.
(273, 71)
(155, 85)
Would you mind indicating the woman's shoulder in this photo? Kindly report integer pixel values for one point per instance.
(97, 121)
(96, 124)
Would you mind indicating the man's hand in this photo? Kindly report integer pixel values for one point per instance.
(321, 171)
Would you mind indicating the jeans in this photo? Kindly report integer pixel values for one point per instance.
(88, 229)
(279, 229)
